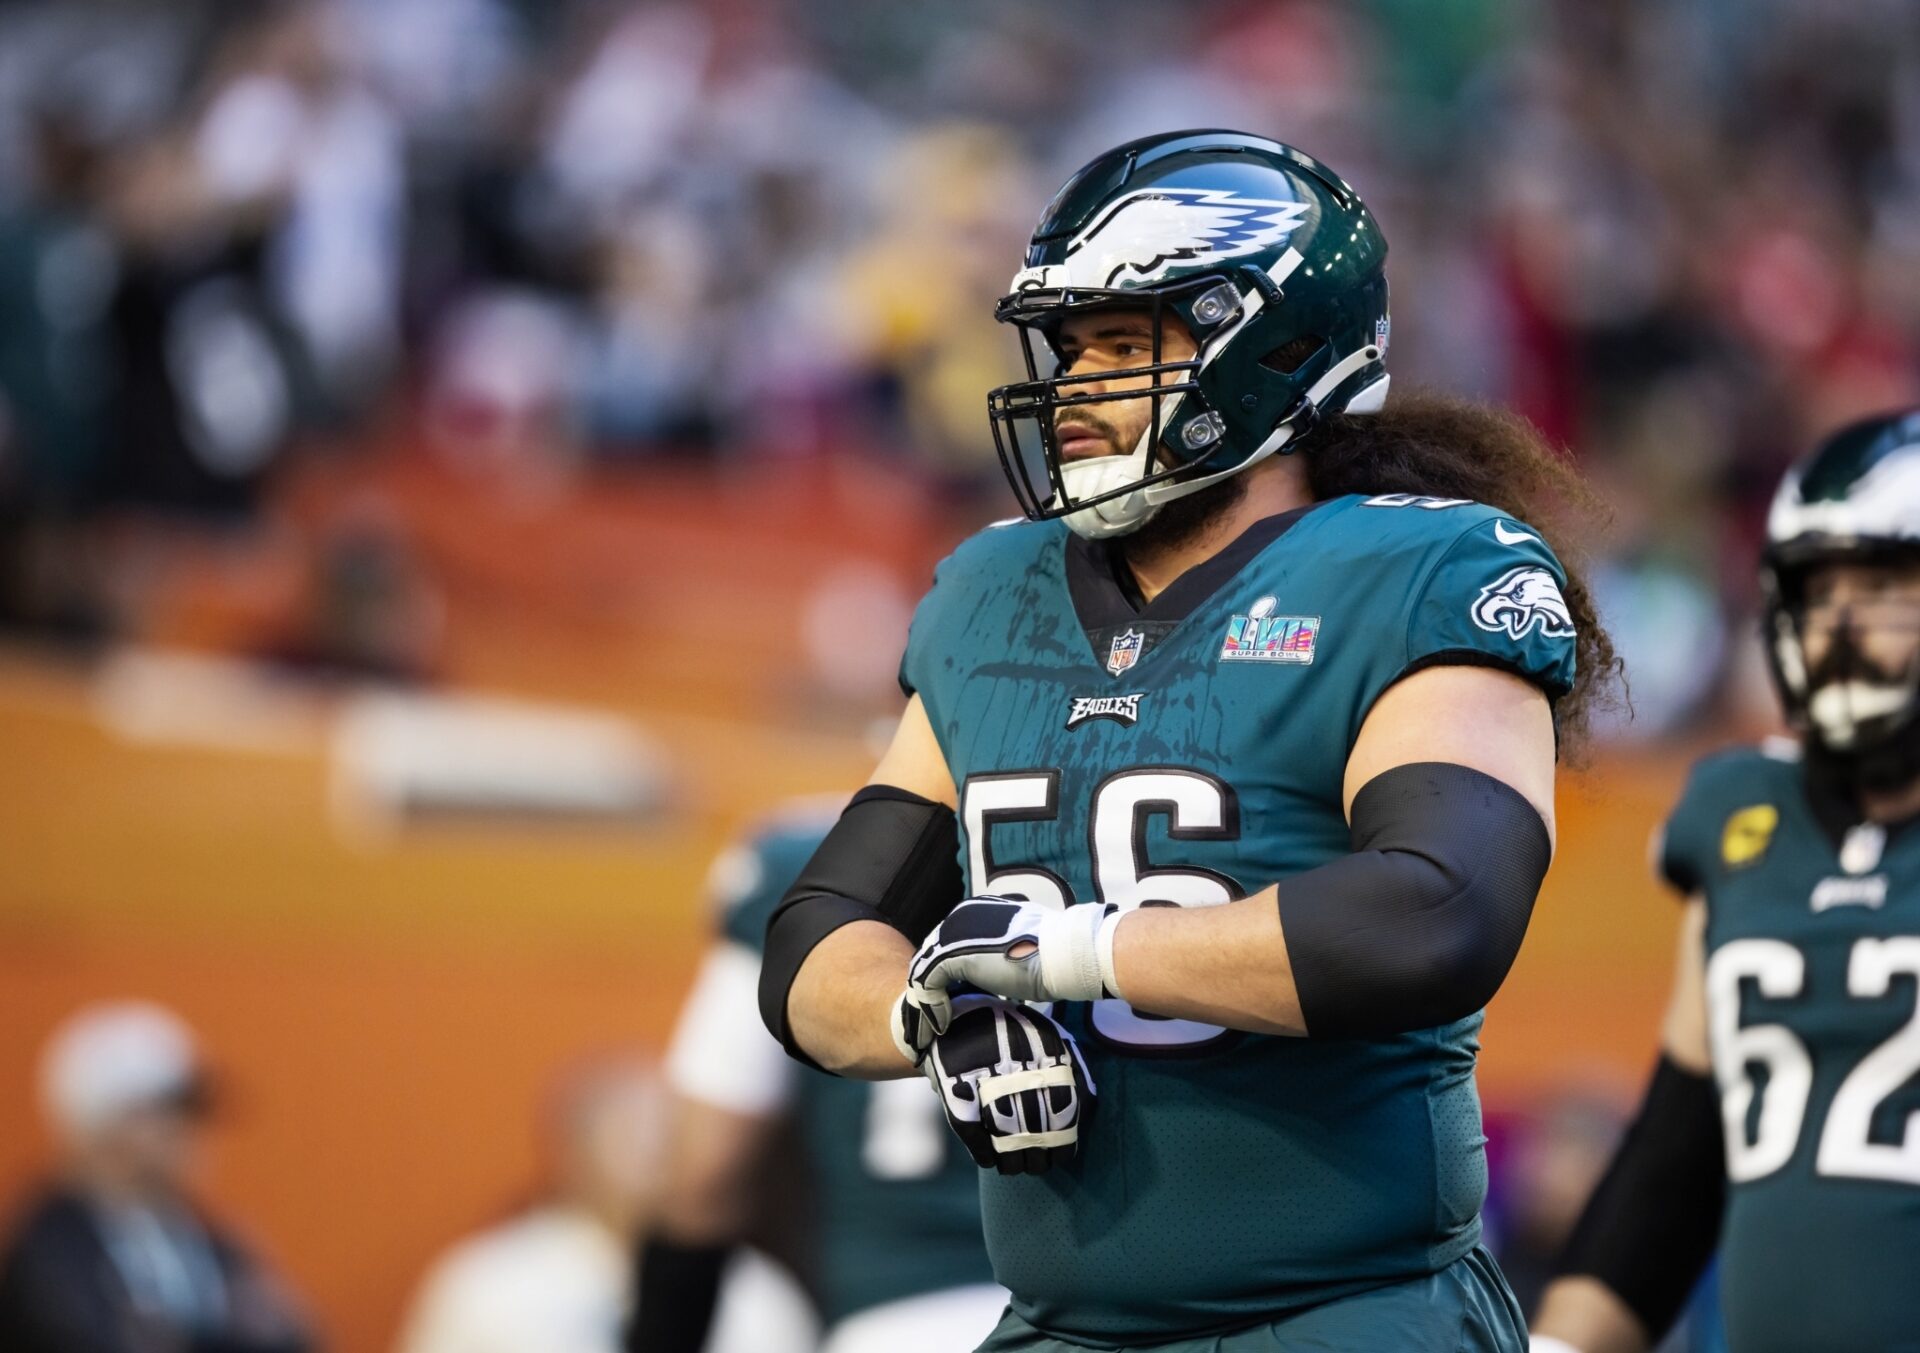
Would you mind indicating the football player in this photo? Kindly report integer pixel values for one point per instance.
(1258, 630)
(894, 1226)
(1780, 1118)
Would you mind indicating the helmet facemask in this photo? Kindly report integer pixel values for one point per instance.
(1105, 495)
(1185, 446)
(1855, 709)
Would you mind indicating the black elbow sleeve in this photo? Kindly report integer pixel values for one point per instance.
(1417, 927)
(893, 856)
(1654, 1219)
(676, 1290)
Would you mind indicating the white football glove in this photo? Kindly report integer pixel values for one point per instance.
(1013, 1084)
(1061, 956)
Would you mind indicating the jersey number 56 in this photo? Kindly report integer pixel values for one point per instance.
(1197, 806)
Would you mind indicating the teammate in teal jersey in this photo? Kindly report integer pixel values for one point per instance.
(893, 1227)
(1782, 1114)
(1243, 747)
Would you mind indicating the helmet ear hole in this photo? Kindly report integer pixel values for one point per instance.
(1293, 354)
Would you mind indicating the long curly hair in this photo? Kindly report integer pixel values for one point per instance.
(1444, 447)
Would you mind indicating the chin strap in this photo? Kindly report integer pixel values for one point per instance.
(1131, 511)
(1295, 424)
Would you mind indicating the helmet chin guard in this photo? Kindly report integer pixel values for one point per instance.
(1096, 480)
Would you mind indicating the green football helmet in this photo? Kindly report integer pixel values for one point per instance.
(1855, 499)
(1271, 261)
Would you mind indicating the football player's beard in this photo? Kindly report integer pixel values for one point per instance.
(1846, 688)
(1177, 523)
(1847, 694)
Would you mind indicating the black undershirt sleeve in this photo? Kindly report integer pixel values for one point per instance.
(1654, 1219)
(676, 1289)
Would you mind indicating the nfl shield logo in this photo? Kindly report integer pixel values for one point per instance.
(1125, 651)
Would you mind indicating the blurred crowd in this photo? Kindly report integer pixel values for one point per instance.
(1683, 236)
(114, 1249)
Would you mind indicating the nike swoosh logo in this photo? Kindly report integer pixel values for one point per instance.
(1506, 537)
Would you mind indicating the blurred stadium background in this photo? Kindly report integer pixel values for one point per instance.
(462, 460)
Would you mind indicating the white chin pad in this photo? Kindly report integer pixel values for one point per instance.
(1840, 708)
(1103, 474)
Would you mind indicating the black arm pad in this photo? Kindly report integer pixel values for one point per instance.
(1653, 1221)
(1419, 925)
(675, 1291)
(893, 856)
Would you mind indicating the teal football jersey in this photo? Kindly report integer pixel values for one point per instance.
(897, 1198)
(1812, 960)
(1188, 752)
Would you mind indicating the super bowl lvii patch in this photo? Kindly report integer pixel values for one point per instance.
(1261, 636)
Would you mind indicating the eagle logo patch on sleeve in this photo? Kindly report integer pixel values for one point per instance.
(1521, 600)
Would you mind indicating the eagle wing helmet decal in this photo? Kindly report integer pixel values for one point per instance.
(1142, 235)
(1521, 599)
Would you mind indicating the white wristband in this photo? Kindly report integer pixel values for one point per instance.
(1103, 948)
(1070, 967)
(1546, 1343)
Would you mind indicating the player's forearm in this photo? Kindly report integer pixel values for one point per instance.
(1413, 930)
(707, 1183)
(840, 1007)
(1585, 1313)
(1223, 965)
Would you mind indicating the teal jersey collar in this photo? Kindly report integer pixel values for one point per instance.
(1107, 604)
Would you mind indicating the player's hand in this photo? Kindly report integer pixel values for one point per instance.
(1013, 1083)
(1008, 948)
